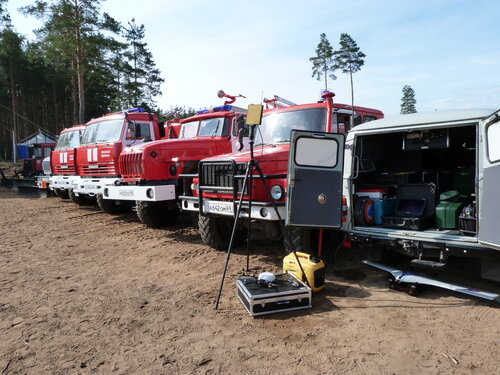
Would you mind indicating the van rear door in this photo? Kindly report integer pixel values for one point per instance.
(489, 209)
(315, 168)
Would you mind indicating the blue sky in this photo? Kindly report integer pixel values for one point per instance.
(448, 51)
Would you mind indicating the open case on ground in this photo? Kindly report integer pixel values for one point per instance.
(285, 293)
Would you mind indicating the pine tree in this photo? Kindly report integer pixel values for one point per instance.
(142, 79)
(349, 59)
(323, 61)
(72, 30)
(408, 101)
(4, 15)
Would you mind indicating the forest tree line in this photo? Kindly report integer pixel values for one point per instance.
(81, 65)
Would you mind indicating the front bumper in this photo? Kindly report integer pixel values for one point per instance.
(260, 210)
(63, 182)
(92, 186)
(156, 193)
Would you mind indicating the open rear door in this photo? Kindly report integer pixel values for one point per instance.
(489, 206)
(315, 168)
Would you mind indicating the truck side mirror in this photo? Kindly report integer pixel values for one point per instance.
(240, 124)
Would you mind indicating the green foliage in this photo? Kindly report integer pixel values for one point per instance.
(78, 68)
(408, 101)
(323, 61)
(141, 79)
(4, 15)
(348, 58)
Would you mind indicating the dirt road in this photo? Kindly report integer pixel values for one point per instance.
(83, 292)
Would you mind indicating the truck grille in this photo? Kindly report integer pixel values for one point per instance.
(131, 165)
(65, 169)
(220, 174)
(99, 170)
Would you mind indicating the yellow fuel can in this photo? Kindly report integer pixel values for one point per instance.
(313, 267)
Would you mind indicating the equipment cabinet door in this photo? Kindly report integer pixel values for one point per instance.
(315, 167)
(488, 204)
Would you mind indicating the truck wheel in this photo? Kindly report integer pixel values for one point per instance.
(216, 232)
(111, 206)
(81, 200)
(306, 241)
(62, 193)
(157, 214)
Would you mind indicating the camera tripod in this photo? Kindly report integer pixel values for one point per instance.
(253, 165)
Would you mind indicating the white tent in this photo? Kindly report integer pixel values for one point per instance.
(39, 137)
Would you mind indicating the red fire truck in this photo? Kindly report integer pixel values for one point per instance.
(97, 156)
(32, 165)
(216, 191)
(62, 161)
(150, 172)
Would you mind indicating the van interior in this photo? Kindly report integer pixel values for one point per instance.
(421, 180)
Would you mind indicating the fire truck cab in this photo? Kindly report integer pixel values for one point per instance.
(32, 165)
(102, 142)
(62, 161)
(150, 172)
(216, 191)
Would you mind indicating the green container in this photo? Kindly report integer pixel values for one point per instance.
(447, 214)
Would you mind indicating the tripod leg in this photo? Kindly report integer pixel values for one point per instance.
(250, 190)
(247, 173)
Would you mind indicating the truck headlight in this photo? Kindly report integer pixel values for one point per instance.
(194, 187)
(277, 192)
(173, 170)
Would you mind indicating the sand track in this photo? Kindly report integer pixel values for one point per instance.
(83, 292)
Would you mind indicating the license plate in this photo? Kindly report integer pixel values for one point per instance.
(90, 187)
(220, 208)
(126, 193)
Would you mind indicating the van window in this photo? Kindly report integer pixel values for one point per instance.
(314, 152)
(493, 139)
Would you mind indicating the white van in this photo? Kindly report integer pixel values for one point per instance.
(425, 184)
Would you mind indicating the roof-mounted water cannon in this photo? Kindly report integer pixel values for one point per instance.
(227, 104)
(277, 102)
(221, 94)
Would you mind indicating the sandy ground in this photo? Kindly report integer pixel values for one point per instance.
(83, 292)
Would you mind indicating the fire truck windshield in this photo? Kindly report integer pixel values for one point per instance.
(210, 127)
(103, 131)
(276, 127)
(68, 140)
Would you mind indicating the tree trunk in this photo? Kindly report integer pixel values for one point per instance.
(135, 78)
(79, 67)
(74, 94)
(352, 101)
(326, 78)
(13, 97)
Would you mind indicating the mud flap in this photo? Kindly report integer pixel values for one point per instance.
(409, 282)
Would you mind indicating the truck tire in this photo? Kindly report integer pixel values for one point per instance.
(62, 193)
(157, 214)
(216, 231)
(306, 240)
(81, 200)
(111, 206)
